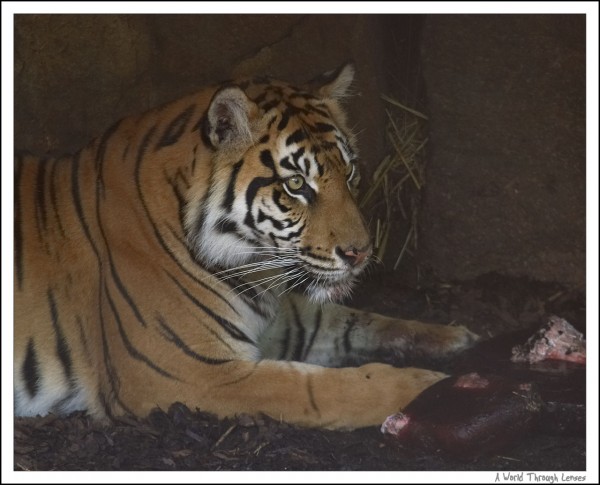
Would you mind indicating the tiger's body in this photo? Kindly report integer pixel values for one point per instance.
(155, 265)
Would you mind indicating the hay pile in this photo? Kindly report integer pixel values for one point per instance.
(393, 194)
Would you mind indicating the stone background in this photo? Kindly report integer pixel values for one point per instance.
(506, 184)
(505, 94)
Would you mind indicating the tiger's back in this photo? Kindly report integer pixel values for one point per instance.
(154, 266)
(79, 272)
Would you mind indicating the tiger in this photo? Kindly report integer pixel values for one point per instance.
(200, 253)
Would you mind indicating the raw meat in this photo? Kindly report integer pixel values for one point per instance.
(556, 340)
(467, 416)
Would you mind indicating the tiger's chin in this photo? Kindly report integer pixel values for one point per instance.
(330, 292)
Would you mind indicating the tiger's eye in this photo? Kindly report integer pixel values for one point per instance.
(295, 182)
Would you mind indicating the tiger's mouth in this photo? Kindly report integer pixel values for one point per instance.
(320, 289)
(278, 272)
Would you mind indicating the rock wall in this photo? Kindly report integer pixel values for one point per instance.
(76, 74)
(505, 188)
(505, 181)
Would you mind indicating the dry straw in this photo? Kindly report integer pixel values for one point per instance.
(398, 180)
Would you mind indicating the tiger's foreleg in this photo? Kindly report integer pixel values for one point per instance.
(334, 335)
(300, 393)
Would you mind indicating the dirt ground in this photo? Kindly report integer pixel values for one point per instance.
(180, 439)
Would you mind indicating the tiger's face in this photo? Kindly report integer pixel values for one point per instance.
(282, 189)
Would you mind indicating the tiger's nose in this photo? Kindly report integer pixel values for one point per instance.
(352, 255)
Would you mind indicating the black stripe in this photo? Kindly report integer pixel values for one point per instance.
(121, 286)
(260, 98)
(173, 182)
(83, 339)
(101, 151)
(78, 205)
(244, 377)
(18, 228)
(30, 369)
(110, 371)
(230, 192)
(101, 398)
(292, 235)
(271, 121)
(285, 163)
(311, 394)
(276, 223)
(199, 222)
(158, 234)
(349, 326)
(61, 403)
(197, 280)
(303, 95)
(194, 159)
(176, 128)
(285, 118)
(116, 278)
(277, 199)
(136, 354)
(171, 336)
(53, 196)
(306, 166)
(295, 137)
(317, 257)
(249, 294)
(347, 148)
(328, 145)
(285, 344)
(316, 328)
(322, 111)
(204, 128)
(229, 327)
(267, 160)
(320, 167)
(297, 154)
(217, 335)
(40, 194)
(62, 349)
(224, 226)
(113, 378)
(256, 184)
(300, 333)
(270, 105)
(140, 155)
(323, 127)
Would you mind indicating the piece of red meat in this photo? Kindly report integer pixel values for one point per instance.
(467, 416)
(556, 340)
(494, 398)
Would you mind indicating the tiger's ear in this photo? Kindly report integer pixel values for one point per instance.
(228, 117)
(335, 84)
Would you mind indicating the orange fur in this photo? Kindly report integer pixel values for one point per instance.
(125, 297)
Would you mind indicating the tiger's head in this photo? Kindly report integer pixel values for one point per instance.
(282, 189)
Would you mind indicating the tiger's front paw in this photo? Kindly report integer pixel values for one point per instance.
(414, 341)
(456, 338)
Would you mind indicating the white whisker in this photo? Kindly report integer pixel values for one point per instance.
(283, 278)
(290, 288)
(250, 267)
(256, 283)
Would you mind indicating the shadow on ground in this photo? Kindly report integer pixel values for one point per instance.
(179, 439)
